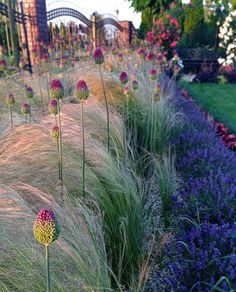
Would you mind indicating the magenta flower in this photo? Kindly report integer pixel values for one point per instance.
(10, 100)
(29, 91)
(120, 57)
(55, 132)
(126, 90)
(21, 64)
(141, 53)
(98, 56)
(81, 90)
(150, 57)
(153, 74)
(56, 89)
(44, 58)
(25, 109)
(53, 109)
(135, 84)
(123, 77)
(113, 51)
(46, 229)
(3, 65)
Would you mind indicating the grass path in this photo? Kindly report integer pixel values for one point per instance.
(218, 100)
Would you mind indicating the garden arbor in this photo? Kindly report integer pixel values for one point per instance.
(39, 16)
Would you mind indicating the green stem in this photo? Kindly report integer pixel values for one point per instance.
(30, 110)
(10, 111)
(83, 145)
(59, 161)
(60, 140)
(47, 85)
(40, 89)
(123, 117)
(107, 110)
(47, 269)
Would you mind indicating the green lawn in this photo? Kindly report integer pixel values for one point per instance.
(218, 100)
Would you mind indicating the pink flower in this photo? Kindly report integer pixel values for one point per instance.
(123, 77)
(153, 74)
(81, 90)
(3, 65)
(56, 89)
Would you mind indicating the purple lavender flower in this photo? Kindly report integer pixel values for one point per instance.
(81, 90)
(46, 229)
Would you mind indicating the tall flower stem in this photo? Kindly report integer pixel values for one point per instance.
(10, 112)
(83, 145)
(47, 269)
(60, 141)
(30, 110)
(123, 117)
(40, 89)
(59, 161)
(107, 110)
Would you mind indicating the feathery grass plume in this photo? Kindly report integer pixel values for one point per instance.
(57, 93)
(55, 133)
(82, 93)
(99, 60)
(46, 231)
(29, 94)
(10, 101)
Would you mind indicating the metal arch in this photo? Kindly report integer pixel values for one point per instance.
(65, 11)
(109, 21)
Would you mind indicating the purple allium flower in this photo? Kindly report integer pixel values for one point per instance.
(120, 57)
(25, 109)
(158, 88)
(55, 132)
(3, 65)
(46, 229)
(141, 53)
(29, 92)
(53, 107)
(126, 90)
(21, 64)
(113, 51)
(123, 77)
(34, 52)
(156, 96)
(98, 56)
(135, 84)
(10, 100)
(150, 57)
(56, 89)
(153, 74)
(81, 90)
(44, 58)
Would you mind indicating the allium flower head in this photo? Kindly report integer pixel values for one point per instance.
(81, 90)
(56, 89)
(98, 56)
(156, 96)
(3, 65)
(25, 109)
(22, 64)
(29, 92)
(126, 90)
(153, 74)
(123, 77)
(10, 100)
(141, 53)
(46, 229)
(44, 58)
(150, 57)
(158, 88)
(135, 85)
(53, 107)
(113, 51)
(55, 132)
(34, 52)
(120, 57)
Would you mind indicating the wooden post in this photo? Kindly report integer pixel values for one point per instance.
(12, 32)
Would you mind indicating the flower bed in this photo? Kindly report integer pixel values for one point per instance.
(205, 206)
